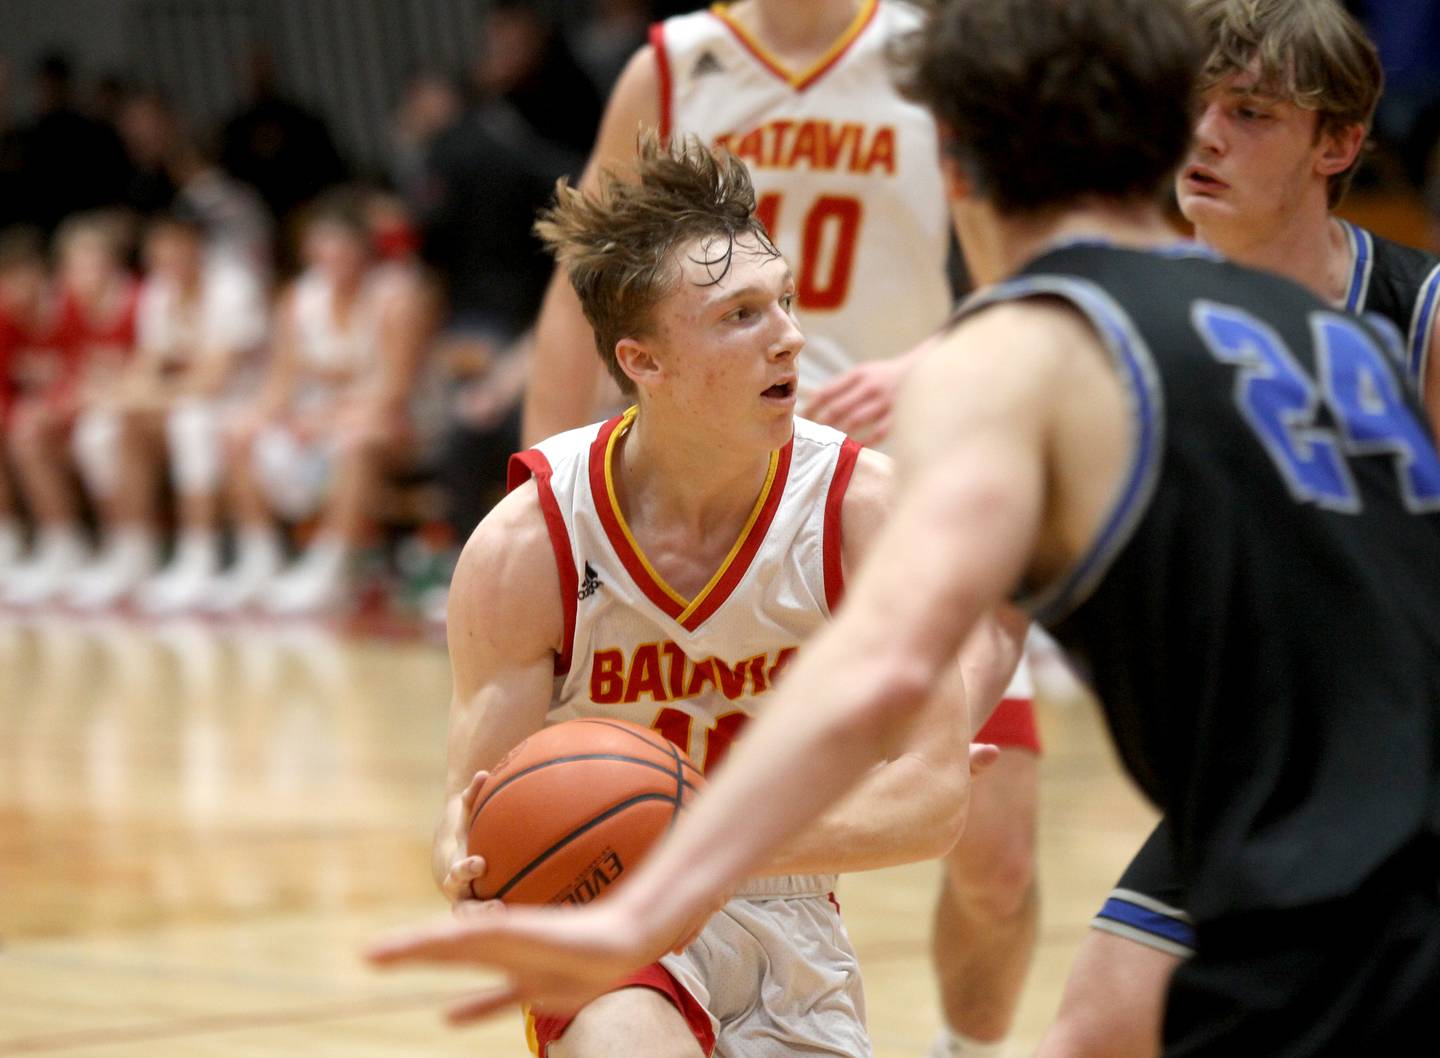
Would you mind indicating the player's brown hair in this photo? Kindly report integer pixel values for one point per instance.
(1308, 52)
(618, 244)
(1046, 102)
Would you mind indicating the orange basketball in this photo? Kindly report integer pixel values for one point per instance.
(566, 813)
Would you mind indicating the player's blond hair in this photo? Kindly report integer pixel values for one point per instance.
(1308, 52)
(618, 244)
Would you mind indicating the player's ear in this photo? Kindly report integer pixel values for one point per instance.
(1339, 147)
(637, 360)
(958, 185)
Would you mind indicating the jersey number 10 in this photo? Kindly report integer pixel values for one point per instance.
(827, 237)
(679, 728)
(1280, 402)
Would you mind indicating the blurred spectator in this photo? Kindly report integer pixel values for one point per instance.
(149, 129)
(27, 325)
(12, 202)
(68, 161)
(237, 225)
(276, 146)
(108, 96)
(432, 103)
(614, 31)
(67, 384)
(526, 61)
(200, 321)
(485, 178)
(339, 411)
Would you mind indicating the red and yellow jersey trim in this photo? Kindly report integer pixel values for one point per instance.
(523, 466)
(662, 73)
(833, 549)
(805, 78)
(532, 1038)
(688, 613)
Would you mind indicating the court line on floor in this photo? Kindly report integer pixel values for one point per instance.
(203, 1024)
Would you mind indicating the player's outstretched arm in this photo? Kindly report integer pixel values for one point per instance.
(913, 806)
(565, 374)
(960, 540)
(504, 626)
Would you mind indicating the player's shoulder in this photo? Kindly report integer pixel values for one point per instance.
(872, 485)
(1012, 335)
(867, 502)
(507, 570)
(1397, 255)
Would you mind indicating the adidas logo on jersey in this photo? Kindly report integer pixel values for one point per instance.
(590, 585)
(707, 63)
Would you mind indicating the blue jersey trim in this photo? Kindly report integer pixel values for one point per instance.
(1364, 251)
(1137, 372)
(1180, 248)
(1422, 326)
(1175, 930)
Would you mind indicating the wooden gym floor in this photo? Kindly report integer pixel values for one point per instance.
(199, 829)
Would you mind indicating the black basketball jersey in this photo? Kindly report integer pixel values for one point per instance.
(1397, 283)
(1260, 613)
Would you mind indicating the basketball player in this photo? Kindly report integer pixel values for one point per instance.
(1289, 90)
(662, 567)
(336, 412)
(58, 426)
(1216, 489)
(848, 180)
(201, 319)
(27, 318)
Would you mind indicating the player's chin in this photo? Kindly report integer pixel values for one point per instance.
(778, 414)
(1204, 207)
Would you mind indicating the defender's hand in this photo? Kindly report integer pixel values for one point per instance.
(859, 402)
(556, 959)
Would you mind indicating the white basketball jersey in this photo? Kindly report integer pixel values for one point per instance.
(227, 317)
(694, 669)
(325, 345)
(846, 174)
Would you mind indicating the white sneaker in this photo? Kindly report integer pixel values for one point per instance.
(318, 583)
(183, 584)
(127, 562)
(58, 556)
(243, 584)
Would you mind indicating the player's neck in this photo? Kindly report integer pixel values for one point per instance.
(799, 33)
(1309, 246)
(997, 246)
(684, 480)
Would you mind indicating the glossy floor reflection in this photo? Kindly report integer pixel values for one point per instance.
(200, 826)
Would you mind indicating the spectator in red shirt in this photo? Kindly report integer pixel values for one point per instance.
(27, 323)
(64, 396)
